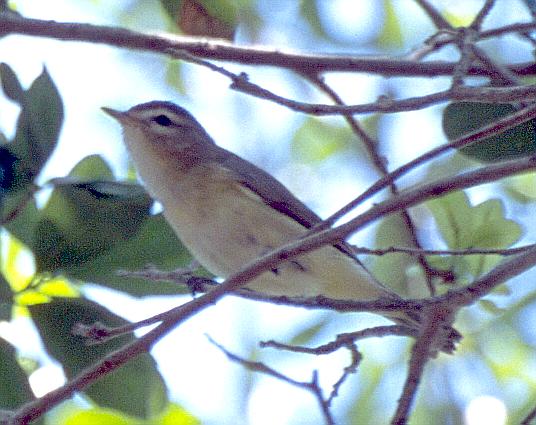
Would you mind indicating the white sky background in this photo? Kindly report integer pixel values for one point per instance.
(91, 76)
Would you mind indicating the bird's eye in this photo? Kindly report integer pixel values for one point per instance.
(162, 120)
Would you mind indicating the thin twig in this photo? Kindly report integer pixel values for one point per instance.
(443, 252)
(311, 386)
(434, 15)
(241, 83)
(172, 318)
(486, 283)
(501, 72)
(355, 360)
(466, 39)
(497, 127)
(482, 14)
(529, 418)
(520, 27)
(343, 340)
(433, 320)
(430, 45)
(378, 162)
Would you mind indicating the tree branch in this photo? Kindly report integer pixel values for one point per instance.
(209, 49)
(497, 127)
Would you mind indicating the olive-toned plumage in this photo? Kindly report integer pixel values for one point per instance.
(228, 212)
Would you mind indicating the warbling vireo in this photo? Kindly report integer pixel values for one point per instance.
(228, 212)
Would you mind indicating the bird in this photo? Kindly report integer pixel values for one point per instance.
(228, 212)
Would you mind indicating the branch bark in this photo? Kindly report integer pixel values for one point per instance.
(209, 49)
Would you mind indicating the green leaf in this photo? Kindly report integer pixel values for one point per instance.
(171, 7)
(71, 414)
(391, 34)
(464, 117)
(21, 205)
(83, 220)
(176, 415)
(39, 123)
(491, 307)
(97, 416)
(155, 243)
(174, 79)
(317, 140)
(15, 389)
(305, 336)
(6, 299)
(13, 175)
(90, 229)
(392, 231)
(10, 84)
(309, 11)
(522, 187)
(463, 226)
(136, 388)
(92, 167)
(225, 10)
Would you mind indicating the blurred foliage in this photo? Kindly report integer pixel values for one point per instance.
(136, 388)
(464, 117)
(316, 140)
(87, 216)
(393, 232)
(92, 225)
(37, 130)
(74, 415)
(207, 19)
(309, 11)
(522, 188)
(391, 34)
(463, 226)
(15, 389)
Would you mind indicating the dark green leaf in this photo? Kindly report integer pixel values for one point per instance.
(136, 388)
(463, 117)
(6, 299)
(25, 216)
(83, 220)
(155, 243)
(39, 123)
(15, 389)
(90, 229)
(9, 172)
(10, 84)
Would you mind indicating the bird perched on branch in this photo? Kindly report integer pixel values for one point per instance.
(228, 212)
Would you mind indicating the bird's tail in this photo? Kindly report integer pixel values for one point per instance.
(447, 336)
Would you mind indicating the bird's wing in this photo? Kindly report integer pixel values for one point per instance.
(276, 195)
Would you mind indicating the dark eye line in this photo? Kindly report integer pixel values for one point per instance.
(162, 120)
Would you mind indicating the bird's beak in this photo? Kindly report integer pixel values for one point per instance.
(118, 115)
